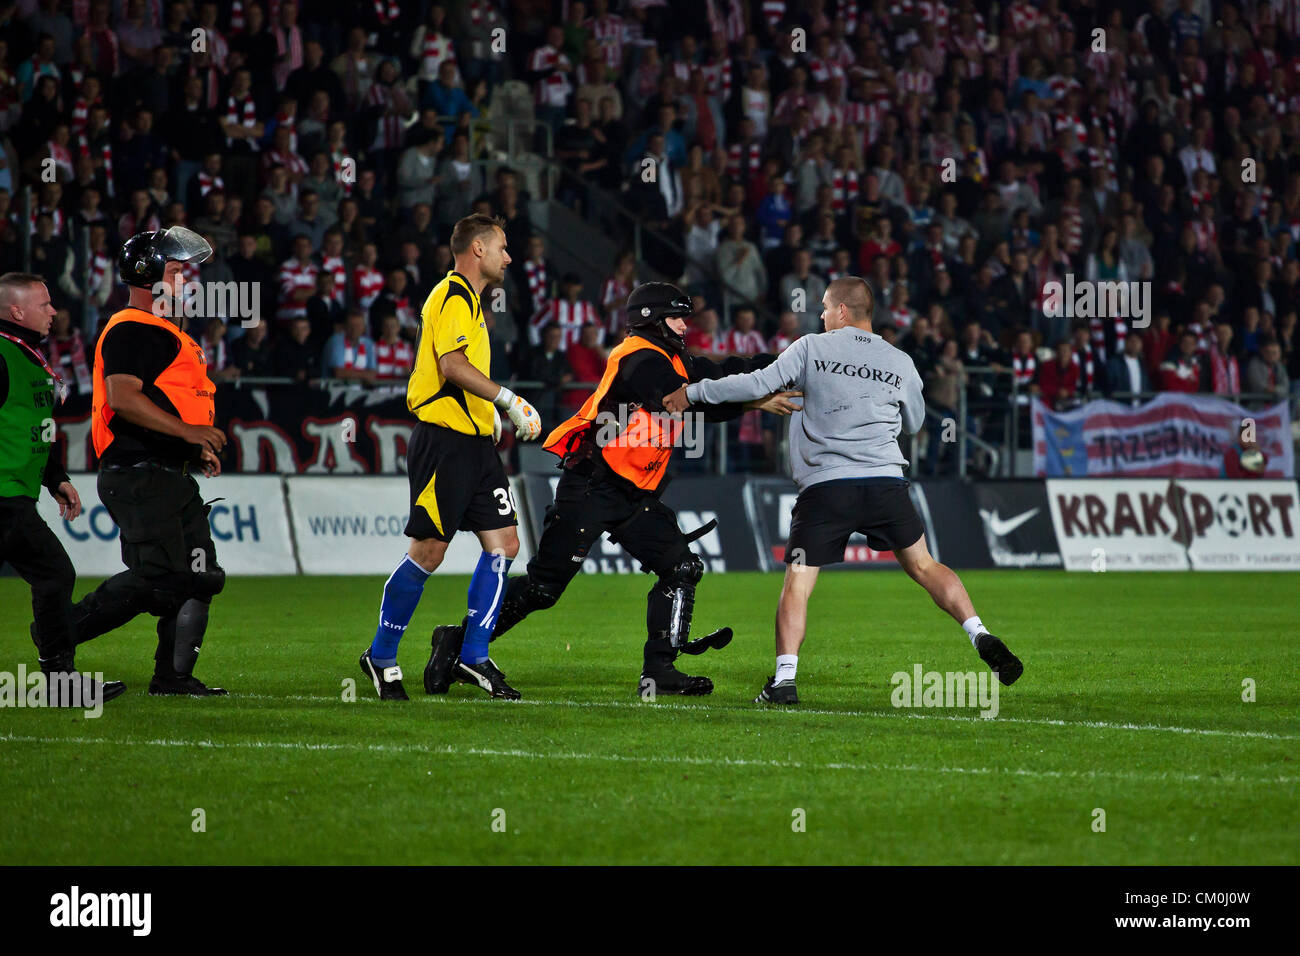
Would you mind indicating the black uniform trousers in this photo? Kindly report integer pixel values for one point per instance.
(33, 550)
(167, 549)
(589, 505)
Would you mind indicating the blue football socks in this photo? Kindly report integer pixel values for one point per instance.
(401, 595)
(486, 589)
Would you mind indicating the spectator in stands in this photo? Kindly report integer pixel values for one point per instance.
(65, 348)
(703, 337)
(739, 264)
(774, 213)
(1183, 370)
(1058, 378)
(394, 355)
(1225, 372)
(394, 299)
(350, 352)
(801, 292)
(1127, 372)
(297, 281)
(251, 354)
(787, 330)
(1265, 373)
(586, 363)
(415, 174)
(743, 338)
(217, 351)
(549, 365)
(325, 311)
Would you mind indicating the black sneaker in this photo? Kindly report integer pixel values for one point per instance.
(999, 658)
(80, 691)
(669, 680)
(186, 685)
(447, 641)
(486, 675)
(777, 692)
(387, 681)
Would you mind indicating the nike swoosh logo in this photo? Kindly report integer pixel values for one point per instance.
(1002, 527)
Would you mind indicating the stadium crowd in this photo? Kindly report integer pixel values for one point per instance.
(960, 156)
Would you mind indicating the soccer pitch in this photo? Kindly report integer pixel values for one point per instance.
(1131, 704)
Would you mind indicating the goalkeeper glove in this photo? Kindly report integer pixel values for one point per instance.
(496, 427)
(527, 424)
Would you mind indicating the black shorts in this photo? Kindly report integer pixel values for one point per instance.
(457, 484)
(826, 515)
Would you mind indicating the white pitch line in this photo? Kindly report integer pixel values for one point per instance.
(793, 711)
(628, 758)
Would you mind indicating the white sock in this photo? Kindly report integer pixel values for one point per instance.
(786, 665)
(974, 628)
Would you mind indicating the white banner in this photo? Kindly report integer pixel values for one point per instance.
(355, 526)
(1171, 436)
(1116, 525)
(250, 526)
(1152, 525)
(1242, 525)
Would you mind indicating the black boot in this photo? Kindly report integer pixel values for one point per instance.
(659, 676)
(61, 675)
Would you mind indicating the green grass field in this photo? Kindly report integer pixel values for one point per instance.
(1131, 702)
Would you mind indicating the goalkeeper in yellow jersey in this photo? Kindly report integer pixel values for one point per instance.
(456, 477)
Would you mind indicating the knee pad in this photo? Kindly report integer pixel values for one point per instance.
(206, 585)
(671, 602)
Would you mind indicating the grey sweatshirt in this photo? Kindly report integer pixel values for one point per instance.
(858, 393)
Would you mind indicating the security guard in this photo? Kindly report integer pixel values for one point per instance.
(152, 425)
(28, 390)
(612, 483)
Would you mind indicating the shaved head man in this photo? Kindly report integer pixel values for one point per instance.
(859, 393)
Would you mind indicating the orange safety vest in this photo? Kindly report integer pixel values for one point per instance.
(642, 448)
(185, 381)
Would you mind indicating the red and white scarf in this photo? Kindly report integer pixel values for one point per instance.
(366, 285)
(1225, 374)
(394, 360)
(1097, 332)
(243, 112)
(288, 44)
(844, 188)
(569, 316)
(334, 266)
(538, 282)
(208, 183)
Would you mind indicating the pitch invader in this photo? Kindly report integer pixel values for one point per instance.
(859, 393)
(456, 478)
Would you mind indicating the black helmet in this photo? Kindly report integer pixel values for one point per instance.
(652, 302)
(145, 255)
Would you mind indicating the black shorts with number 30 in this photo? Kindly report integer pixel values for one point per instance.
(457, 484)
(826, 515)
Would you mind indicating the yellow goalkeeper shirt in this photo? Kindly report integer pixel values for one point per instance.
(452, 318)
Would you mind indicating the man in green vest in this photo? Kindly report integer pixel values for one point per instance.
(29, 391)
